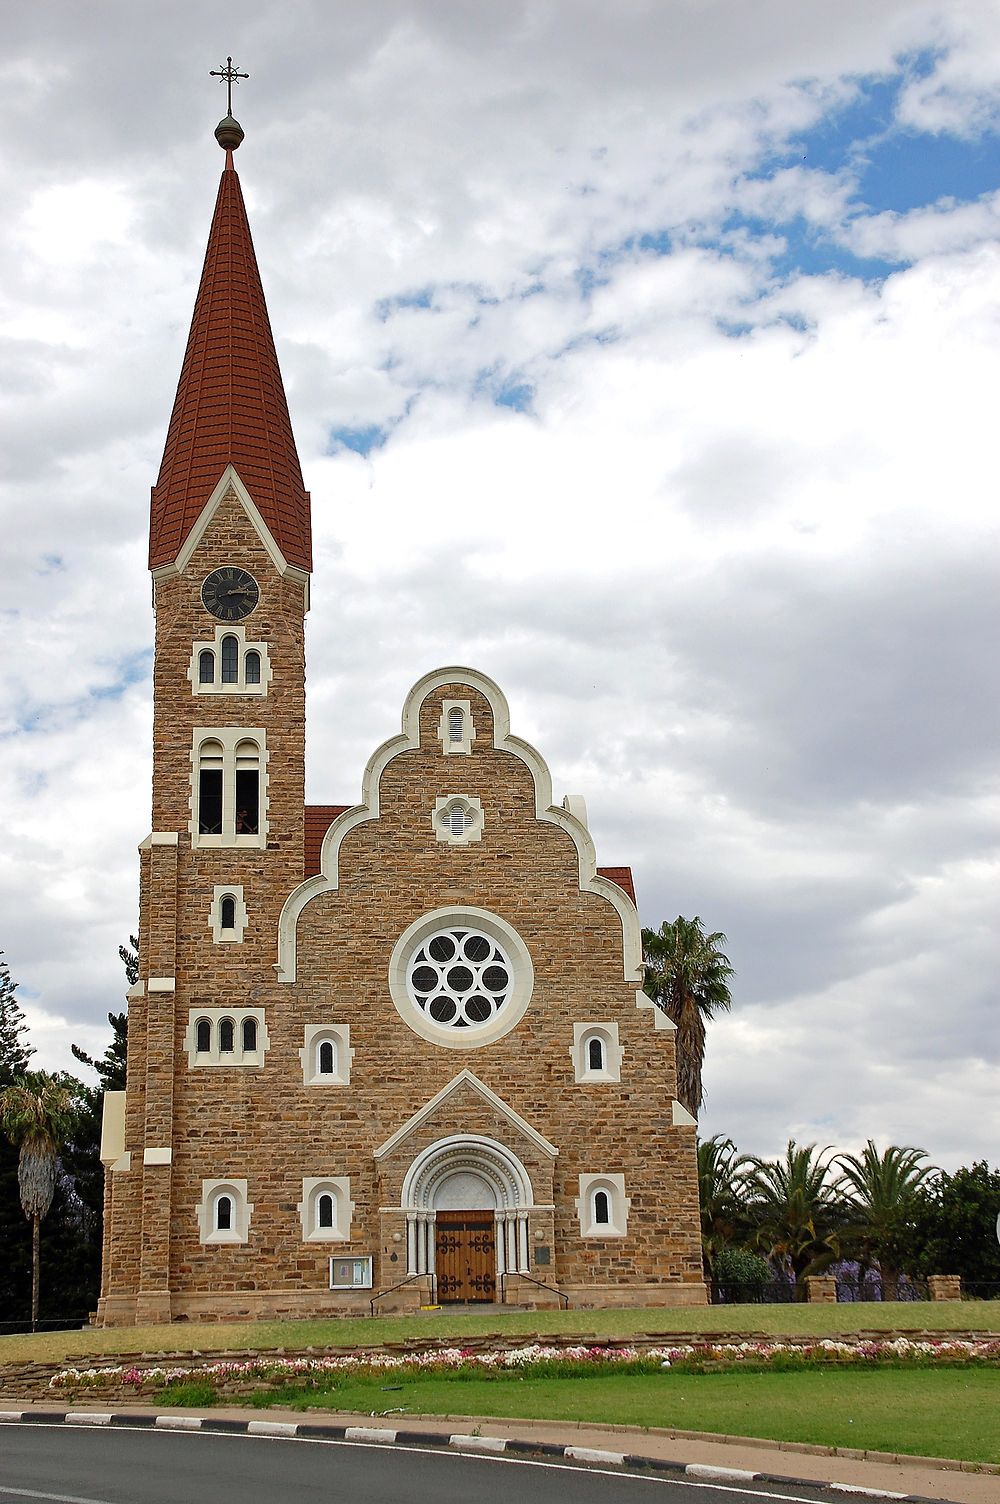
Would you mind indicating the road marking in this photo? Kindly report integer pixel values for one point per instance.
(31, 1493)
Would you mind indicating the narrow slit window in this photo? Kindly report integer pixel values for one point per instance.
(203, 1037)
(595, 1054)
(327, 1058)
(227, 1036)
(251, 667)
(324, 1211)
(456, 726)
(224, 1214)
(206, 667)
(230, 660)
(227, 913)
(249, 1032)
(247, 789)
(210, 789)
(602, 1209)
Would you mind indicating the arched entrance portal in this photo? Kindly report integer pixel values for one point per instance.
(466, 1201)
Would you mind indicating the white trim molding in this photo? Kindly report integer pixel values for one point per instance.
(680, 1117)
(316, 1036)
(231, 488)
(212, 1019)
(338, 1188)
(616, 1203)
(606, 1036)
(239, 685)
(206, 1212)
(465, 1078)
(472, 820)
(234, 935)
(409, 739)
(157, 1156)
(507, 1017)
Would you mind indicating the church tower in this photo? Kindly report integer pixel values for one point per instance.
(396, 1051)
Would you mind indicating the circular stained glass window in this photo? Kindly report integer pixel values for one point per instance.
(460, 978)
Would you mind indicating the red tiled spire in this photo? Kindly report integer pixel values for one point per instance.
(230, 405)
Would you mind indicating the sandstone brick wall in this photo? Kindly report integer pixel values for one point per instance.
(268, 1127)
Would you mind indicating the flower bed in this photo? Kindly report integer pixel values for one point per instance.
(534, 1360)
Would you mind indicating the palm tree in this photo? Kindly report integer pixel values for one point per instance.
(36, 1112)
(795, 1208)
(722, 1194)
(687, 975)
(880, 1188)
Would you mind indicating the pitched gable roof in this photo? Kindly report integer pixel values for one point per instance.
(230, 406)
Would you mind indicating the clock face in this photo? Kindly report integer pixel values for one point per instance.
(230, 593)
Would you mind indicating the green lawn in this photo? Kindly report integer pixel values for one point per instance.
(928, 1412)
(785, 1320)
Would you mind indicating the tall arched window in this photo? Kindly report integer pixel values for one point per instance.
(595, 1053)
(206, 667)
(247, 788)
(249, 1032)
(324, 1211)
(327, 1062)
(227, 913)
(230, 660)
(251, 667)
(602, 1209)
(223, 1213)
(210, 788)
(203, 1037)
(227, 1036)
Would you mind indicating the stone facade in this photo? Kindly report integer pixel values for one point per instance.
(236, 1172)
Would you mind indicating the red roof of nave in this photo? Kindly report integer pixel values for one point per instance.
(230, 405)
(319, 818)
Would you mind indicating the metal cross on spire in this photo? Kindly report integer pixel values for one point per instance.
(231, 75)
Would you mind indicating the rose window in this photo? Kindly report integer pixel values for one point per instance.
(460, 978)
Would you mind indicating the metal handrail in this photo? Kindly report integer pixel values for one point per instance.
(554, 1289)
(407, 1281)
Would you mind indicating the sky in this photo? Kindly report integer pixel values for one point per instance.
(644, 357)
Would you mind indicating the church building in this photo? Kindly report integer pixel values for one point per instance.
(395, 1050)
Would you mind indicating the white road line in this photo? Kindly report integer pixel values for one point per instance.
(31, 1493)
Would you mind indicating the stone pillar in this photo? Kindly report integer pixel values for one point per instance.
(821, 1288)
(945, 1286)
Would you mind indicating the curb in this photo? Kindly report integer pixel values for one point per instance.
(455, 1441)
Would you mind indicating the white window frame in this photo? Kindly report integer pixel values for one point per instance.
(468, 727)
(233, 1059)
(240, 686)
(229, 737)
(339, 1035)
(235, 935)
(211, 1190)
(619, 1206)
(315, 1186)
(509, 1016)
(607, 1033)
(473, 832)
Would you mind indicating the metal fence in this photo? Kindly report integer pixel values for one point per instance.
(778, 1292)
(875, 1288)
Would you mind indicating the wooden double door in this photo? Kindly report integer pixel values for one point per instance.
(465, 1249)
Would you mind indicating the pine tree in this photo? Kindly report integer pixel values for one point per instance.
(15, 1233)
(14, 1054)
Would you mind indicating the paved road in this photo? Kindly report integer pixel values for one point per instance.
(66, 1465)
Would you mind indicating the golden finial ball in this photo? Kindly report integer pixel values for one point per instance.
(229, 133)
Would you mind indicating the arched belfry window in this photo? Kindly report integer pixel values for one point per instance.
(602, 1209)
(227, 1036)
(247, 788)
(227, 913)
(210, 769)
(206, 667)
(595, 1053)
(223, 1213)
(230, 660)
(252, 667)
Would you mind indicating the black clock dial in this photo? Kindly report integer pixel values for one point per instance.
(230, 593)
